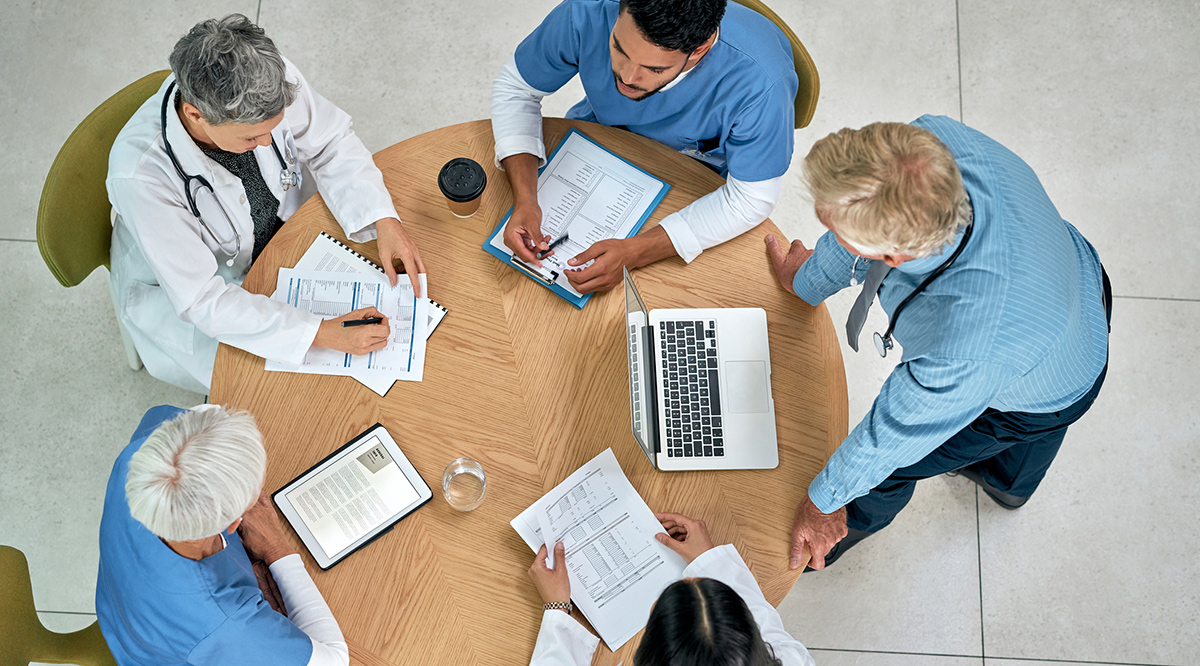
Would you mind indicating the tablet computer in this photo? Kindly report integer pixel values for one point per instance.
(352, 497)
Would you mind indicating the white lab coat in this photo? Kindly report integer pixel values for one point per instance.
(170, 282)
(562, 641)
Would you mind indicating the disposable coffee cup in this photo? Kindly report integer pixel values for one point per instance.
(462, 181)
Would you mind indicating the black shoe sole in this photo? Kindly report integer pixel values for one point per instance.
(1005, 500)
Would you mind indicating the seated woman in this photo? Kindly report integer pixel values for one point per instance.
(184, 516)
(202, 176)
(716, 615)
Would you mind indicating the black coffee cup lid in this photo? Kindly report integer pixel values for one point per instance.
(462, 179)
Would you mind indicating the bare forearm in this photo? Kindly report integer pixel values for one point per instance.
(522, 170)
(651, 246)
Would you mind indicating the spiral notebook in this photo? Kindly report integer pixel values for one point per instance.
(330, 255)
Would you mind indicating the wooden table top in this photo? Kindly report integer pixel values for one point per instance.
(521, 381)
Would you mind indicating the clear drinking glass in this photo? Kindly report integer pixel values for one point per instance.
(464, 484)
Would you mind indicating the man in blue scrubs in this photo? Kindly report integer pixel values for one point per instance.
(714, 82)
(183, 515)
(1005, 343)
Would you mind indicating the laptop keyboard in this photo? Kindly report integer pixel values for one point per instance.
(691, 389)
(635, 370)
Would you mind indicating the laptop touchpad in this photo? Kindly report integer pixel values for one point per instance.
(746, 382)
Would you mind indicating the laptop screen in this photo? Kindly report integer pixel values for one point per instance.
(641, 391)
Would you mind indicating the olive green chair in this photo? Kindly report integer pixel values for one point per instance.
(806, 71)
(74, 224)
(23, 639)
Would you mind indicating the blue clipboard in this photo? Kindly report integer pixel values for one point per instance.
(577, 301)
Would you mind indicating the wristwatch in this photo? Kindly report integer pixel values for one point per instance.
(559, 605)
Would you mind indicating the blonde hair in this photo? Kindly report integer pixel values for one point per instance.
(888, 188)
(196, 474)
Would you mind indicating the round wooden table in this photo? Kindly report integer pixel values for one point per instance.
(521, 381)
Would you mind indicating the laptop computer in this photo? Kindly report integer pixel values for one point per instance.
(700, 386)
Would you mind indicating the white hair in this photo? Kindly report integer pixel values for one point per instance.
(196, 474)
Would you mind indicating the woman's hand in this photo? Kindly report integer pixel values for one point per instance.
(552, 584)
(355, 340)
(688, 537)
(394, 244)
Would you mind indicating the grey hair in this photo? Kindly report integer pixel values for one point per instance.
(196, 474)
(231, 71)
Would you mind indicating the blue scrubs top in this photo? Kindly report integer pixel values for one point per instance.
(159, 608)
(734, 110)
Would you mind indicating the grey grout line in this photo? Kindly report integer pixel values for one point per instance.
(958, 50)
(1158, 298)
(19, 240)
(979, 561)
(1075, 661)
(914, 654)
(975, 656)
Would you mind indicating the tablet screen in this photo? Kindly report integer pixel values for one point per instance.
(355, 494)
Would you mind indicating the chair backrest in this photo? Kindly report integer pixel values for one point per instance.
(806, 71)
(73, 227)
(22, 635)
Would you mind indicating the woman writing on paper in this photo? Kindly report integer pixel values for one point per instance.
(203, 175)
(716, 615)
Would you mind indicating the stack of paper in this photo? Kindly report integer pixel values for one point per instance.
(616, 566)
(331, 280)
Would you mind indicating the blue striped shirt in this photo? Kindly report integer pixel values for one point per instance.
(1016, 324)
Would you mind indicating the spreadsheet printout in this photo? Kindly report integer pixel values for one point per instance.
(331, 295)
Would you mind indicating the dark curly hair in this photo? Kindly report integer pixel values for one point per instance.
(679, 25)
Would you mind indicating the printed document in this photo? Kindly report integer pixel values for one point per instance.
(616, 566)
(589, 194)
(335, 294)
(348, 499)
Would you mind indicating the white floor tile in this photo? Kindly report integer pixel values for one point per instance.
(403, 69)
(58, 62)
(913, 587)
(70, 404)
(1090, 94)
(848, 658)
(1100, 565)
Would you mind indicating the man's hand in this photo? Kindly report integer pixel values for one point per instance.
(355, 340)
(819, 531)
(688, 537)
(552, 584)
(523, 233)
(608, 257)
(395, 245)
(262, 533)
(786, 265)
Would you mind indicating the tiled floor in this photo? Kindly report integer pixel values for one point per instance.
(1100, 98)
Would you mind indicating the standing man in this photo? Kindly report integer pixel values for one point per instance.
(1000, 304)
(716, 84)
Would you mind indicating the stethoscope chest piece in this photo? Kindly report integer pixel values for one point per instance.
(883, 344)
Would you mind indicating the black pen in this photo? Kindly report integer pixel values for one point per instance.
(553, 244)
(362, 322)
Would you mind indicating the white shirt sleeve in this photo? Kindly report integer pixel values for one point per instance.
(347, 177)
(306, 608)
(723, 563)
(563, 642)
(516, 115)
(730, 211)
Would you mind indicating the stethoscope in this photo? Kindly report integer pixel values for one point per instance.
(289, 177)
(884, 342)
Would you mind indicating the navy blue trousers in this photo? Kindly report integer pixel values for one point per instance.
(1011, 450)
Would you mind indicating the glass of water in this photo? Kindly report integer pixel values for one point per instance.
(464, 484)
